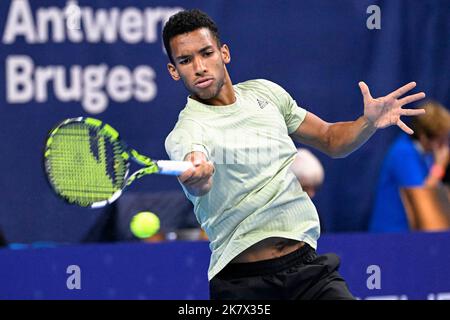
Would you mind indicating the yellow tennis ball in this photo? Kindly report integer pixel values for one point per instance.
(145, 224)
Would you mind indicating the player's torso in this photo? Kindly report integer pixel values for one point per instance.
(254, 134)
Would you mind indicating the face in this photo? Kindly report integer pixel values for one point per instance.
(437, 142)
(199, 62)
(440, 141)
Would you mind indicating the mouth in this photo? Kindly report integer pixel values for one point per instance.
(204, 82)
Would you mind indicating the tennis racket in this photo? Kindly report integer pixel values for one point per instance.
(87, 164)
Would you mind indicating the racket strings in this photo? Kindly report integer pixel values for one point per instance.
(84, 166)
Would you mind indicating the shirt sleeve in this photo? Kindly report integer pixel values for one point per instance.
(187, 136)
(408, 171)
(292, 113)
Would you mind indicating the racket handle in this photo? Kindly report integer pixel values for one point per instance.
(174, 168)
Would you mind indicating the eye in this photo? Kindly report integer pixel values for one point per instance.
(184, 61)
(208, 53)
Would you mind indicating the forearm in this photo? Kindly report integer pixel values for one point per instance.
(342, 138)
(345, 137)
(435, 175)
(431, 181)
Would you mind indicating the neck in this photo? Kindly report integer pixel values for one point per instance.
(226, 94)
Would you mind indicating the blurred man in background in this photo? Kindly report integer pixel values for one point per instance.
(308, 170)
(417, 161)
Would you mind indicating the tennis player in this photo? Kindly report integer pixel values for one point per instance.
(263, 228)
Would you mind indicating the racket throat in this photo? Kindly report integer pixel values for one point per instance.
(140, 159)
(142, 172)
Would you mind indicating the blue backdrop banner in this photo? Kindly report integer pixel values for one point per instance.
(106, 59)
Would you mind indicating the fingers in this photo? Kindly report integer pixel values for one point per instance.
(192, 176)
(412, 112)
(364, 90)
(195, 157)
(401, 91)
(186, 175)
(193, 181)
(404, 127)
(201, 172)
(412, 98)
(196, 179)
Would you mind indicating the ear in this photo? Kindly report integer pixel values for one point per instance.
(225, 51)
(173, 72)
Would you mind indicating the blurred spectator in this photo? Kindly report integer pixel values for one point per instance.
(419, 160)
(309, 171)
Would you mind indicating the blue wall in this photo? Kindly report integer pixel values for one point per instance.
(409, 266)
(317, 50)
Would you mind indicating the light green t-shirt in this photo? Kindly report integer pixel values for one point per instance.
(254, 194)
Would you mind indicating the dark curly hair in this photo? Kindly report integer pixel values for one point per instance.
(187, 21)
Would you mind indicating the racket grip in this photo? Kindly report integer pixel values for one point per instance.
(174, 168)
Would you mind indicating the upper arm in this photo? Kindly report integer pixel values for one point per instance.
(313, 131)
(302, 126)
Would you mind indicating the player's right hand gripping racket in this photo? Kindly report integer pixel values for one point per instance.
(87, 164)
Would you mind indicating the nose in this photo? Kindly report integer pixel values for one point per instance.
(199, 67)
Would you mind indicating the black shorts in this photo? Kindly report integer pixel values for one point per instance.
(300, 275)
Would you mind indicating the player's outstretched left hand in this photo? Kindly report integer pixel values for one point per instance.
(386, 111)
